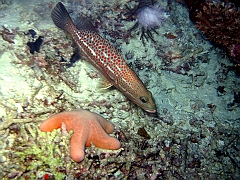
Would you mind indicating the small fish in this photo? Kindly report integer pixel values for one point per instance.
(104, 57)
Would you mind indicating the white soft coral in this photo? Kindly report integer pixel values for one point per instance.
(150, 17)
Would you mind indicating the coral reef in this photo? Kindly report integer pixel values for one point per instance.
(201, 152)
(195, 134)
(220, 22)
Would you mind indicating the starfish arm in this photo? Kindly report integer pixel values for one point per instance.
(77, 146)
(52, 123)
(55, 121)
(108, 143)
(106, 125)
(101, 139)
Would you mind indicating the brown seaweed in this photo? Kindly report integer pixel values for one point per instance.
(7, 35)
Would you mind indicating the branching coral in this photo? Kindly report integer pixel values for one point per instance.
(220, 23)
(40, 152)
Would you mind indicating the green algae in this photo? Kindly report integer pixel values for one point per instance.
(38, 151)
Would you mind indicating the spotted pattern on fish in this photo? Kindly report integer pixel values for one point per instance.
(105, 58)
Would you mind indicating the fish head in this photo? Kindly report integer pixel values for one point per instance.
(146, 102)
(143, 98)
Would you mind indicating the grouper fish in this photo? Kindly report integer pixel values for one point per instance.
(104, 57)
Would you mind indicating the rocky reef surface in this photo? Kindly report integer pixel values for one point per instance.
(193, 135)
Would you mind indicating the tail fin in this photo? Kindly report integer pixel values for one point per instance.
(61, 17)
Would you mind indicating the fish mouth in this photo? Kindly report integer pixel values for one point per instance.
(151, 111)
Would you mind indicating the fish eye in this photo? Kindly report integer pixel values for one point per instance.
(144, 99)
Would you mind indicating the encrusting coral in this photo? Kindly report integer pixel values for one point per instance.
(220, 23)
(87, 128)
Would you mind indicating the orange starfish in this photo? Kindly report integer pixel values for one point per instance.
(87, 127)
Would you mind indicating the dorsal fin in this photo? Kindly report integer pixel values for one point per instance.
(84, 23)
